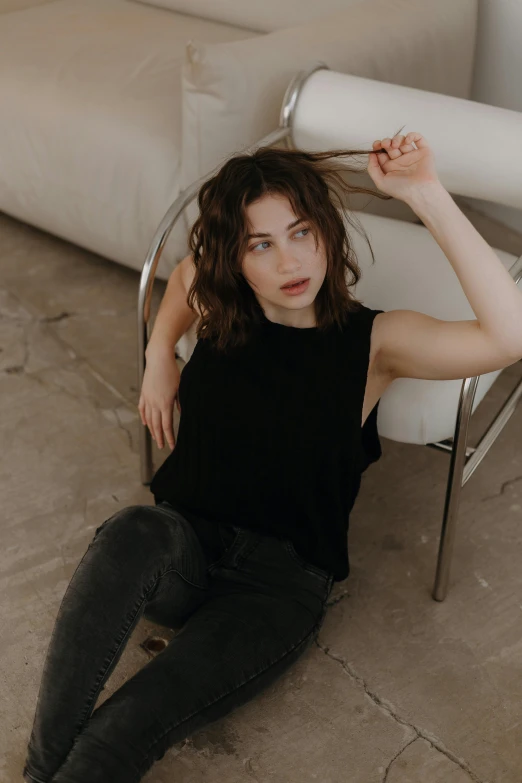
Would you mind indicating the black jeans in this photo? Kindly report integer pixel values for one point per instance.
(248, 607)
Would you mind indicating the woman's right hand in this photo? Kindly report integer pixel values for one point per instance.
(159, 390)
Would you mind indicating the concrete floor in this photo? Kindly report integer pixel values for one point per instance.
(398, 688)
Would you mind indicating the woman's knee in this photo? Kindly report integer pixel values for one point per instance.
(140, 527)
(127, 515)
(143, 539)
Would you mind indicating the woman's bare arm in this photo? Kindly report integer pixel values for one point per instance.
(174, 316)
(161, 379)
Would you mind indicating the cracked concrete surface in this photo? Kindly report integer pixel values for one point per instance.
(392, 712)
(397, 688)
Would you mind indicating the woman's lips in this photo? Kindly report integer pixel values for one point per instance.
(296, 289)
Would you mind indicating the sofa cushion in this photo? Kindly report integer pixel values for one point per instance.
(233, 92)
(91, 131)
(264, 16)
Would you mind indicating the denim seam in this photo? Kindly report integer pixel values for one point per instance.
(193, 584)
(171, 512)
(306, 566)
(227, 551)
(33, 778)
(256, 674)
(92, 699)
(240, 556)
(248, 551)
(55, 628)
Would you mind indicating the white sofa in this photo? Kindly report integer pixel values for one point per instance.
(111, 107)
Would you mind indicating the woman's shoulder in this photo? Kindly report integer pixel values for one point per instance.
(362, 315)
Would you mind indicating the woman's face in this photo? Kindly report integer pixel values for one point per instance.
(287, 251)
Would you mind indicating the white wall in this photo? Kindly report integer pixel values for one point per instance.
(497, 78)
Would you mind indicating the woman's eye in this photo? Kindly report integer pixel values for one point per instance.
(261, 243)
(267, 243)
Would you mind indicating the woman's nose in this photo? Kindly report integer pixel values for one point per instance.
(287, 260)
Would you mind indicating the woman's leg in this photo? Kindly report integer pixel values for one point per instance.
(143, 557)
(264, 611)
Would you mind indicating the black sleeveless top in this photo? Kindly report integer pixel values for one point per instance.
(270, 438)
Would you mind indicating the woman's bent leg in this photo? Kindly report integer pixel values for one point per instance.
(263, 613)
(139, 557)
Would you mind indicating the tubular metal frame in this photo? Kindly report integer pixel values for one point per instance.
(464, 459)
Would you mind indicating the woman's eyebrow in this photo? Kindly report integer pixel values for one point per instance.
(291, 225)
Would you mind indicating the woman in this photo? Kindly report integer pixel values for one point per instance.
(279, 402)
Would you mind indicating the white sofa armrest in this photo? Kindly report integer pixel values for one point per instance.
(232, 92)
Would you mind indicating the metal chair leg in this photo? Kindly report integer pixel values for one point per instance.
(454, 488)
(464, 462)
(463, 465)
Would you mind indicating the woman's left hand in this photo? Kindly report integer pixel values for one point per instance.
(402, 169)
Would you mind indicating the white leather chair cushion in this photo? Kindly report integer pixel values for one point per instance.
(263, 16)
(91, 131)
(412, 273)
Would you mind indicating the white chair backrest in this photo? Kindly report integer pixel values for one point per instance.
(475, 145)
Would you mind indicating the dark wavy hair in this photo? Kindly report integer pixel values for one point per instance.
(218, 239)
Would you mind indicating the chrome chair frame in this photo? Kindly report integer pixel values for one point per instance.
(464, 459)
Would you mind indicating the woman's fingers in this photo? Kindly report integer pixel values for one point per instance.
(418, 138)
(159, 422)
(159, 391)
(166, 418)
(147, 419)
(398, 144)
(157, 433)
(382, 157)
(397, 141)
(394, 146)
